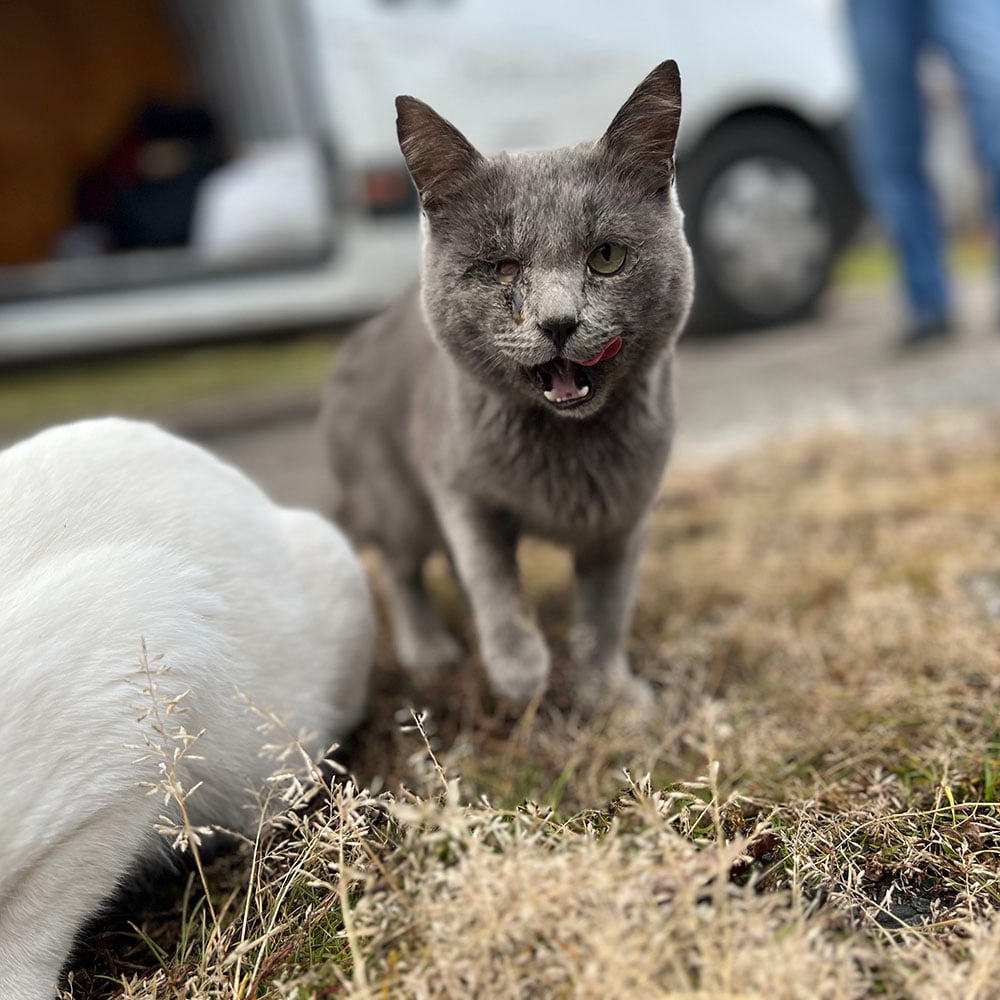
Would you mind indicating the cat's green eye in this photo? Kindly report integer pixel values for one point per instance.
(506, 271)
(608, 258)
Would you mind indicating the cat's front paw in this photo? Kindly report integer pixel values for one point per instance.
(423, 655)
(517, 661)
(614, 687)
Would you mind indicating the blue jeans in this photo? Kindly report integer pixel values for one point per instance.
(889, 35)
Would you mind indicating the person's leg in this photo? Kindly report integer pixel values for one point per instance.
(888, 36)
(969, 32)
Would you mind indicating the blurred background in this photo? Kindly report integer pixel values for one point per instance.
(216, 183)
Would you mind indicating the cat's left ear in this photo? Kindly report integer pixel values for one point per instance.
(644, 132)
(439, 157)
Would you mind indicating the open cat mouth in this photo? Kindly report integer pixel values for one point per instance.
(565, 383)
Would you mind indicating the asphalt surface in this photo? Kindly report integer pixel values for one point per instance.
(841, 369)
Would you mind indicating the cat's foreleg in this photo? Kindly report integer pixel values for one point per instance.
(606, 583)
(422, 642)
(483, 546)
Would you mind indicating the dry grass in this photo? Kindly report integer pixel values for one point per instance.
(820, 813)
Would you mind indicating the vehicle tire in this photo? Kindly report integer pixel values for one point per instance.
(767, 208)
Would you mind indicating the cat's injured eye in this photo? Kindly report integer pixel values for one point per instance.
(507, 271)
(608, 258)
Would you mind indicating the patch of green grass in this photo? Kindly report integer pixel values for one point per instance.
(150, 383)
(873, 262)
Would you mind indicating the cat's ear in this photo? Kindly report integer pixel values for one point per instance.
(644, 132)
(439, 157)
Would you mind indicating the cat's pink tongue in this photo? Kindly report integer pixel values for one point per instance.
(564, 385)
(609, 350)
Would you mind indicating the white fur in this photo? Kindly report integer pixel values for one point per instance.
(113, 533)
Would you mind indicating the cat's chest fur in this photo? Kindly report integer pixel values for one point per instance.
(561, 479)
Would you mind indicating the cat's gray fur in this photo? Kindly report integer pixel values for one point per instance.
(438, 432)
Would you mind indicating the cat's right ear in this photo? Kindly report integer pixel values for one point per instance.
(439, 157)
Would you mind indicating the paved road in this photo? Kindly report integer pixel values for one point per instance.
(840, 368)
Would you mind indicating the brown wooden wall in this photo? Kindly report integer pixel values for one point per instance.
(72, 75)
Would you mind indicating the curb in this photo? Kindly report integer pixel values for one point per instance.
(240, 414)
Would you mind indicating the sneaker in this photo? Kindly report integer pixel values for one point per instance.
(926, 331)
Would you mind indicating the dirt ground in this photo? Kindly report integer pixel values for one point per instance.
(840, 369)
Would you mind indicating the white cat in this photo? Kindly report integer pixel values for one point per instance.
(114, 534)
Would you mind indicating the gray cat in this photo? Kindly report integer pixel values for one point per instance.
(526, 387)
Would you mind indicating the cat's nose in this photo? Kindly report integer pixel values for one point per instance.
(558, 329)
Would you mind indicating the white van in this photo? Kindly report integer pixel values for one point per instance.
(300, 212)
